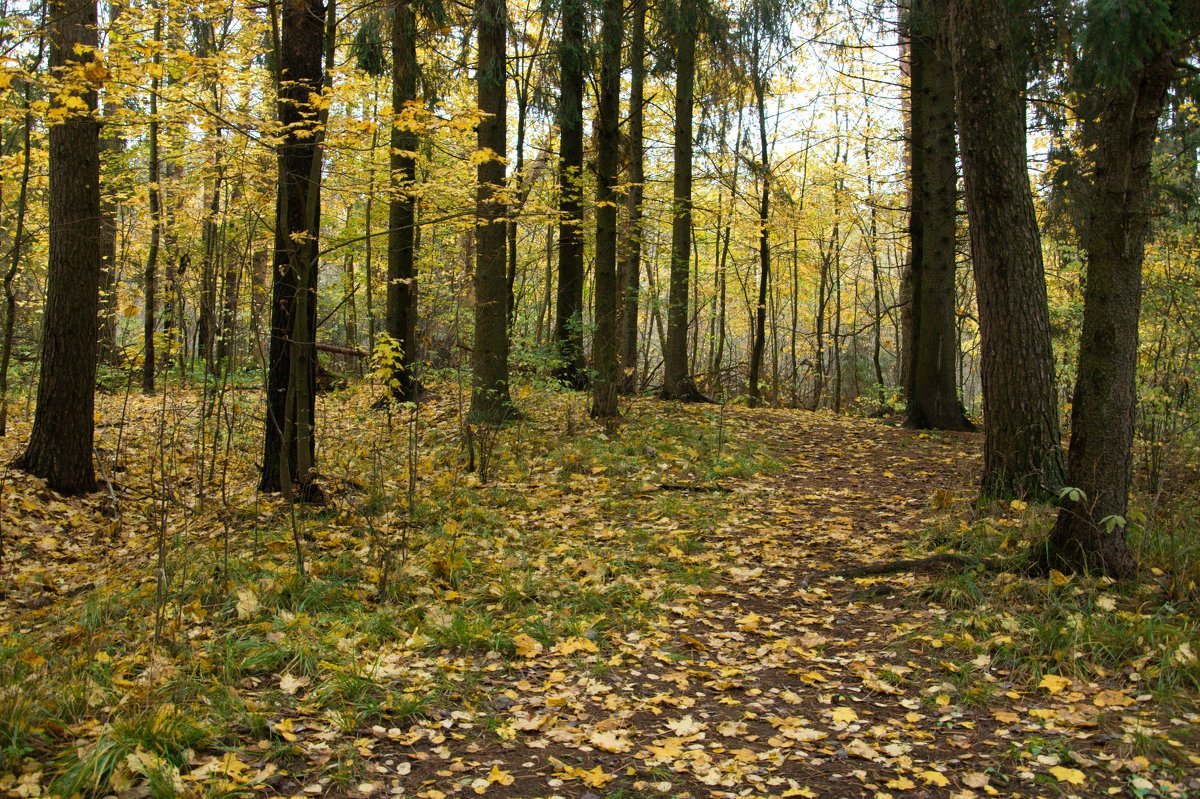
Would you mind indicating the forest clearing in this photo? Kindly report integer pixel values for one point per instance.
(649, 609)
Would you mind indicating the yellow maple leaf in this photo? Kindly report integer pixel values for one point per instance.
(1053, 683)
(527, 646)
(1112, 698)
(843, 715)
(932, 777)
(1072, 776)
(901, 783)
(498, 776)
(610, 742)
(577, 644)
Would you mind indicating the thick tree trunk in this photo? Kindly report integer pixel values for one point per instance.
(677, 383)
(568, 310)
(402, 273)
(604, 352)
(1022, 444)
(631, 266)
(60, 444)
(490, 399)
(1119, 129)
(291, 371)
(933, 388)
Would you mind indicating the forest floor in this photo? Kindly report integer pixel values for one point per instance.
(650, 610)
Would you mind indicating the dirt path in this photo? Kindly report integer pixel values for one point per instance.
(771, 678)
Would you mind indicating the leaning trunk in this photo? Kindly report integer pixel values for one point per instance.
(1022, 449)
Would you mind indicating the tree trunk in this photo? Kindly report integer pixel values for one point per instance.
(630, 275)
(568, 310)
(1022, 444)
(490, 399)
(60, 444)
(1119, 129)
(677, 383)
(112, 144)
(150, 287)
(933, 388)
(764, 242)
(402, 273)
(289, 445)
(604, 352)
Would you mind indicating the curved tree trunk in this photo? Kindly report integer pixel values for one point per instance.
(1022, 444)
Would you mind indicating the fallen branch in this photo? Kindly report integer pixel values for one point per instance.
(336, 350)
(693, 487)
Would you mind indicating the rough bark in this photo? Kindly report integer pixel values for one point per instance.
(933, 388)
(568, 310)
(677, 383)
(61, 441)
(604, 342)
(1119, 126)
(402, 272)
(490, 399)
(291, 369)
(1022, 449)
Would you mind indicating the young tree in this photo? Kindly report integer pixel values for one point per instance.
(766, 24)
(153, 176)
(490, 399)
(604, 352)
(1128, 62)
(60, 444)
(932, 388)
(289, 446)
(629, 275)
(1022, 444)
(568, 310)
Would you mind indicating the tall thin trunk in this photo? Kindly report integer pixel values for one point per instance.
(568, 310)
(677, 383)
(402, 274)
(764, 242)
(18, 246)
(112, 144)
(604, 353)
(289, 445)
(490, 398)
(630, 273)
(933, 400)
(150, 288)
